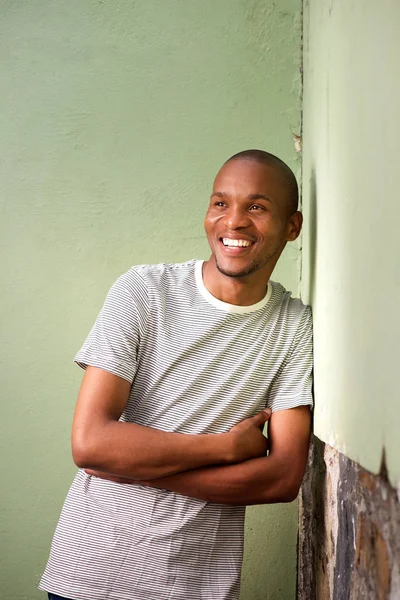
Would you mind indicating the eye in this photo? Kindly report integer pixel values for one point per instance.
(219, 203)
(256, 207)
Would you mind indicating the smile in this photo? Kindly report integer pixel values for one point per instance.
(236, 243)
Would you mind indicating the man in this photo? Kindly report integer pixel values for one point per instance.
(180, 365)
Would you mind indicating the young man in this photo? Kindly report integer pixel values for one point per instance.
(180, 365)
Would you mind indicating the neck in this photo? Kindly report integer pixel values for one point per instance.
(241, 291)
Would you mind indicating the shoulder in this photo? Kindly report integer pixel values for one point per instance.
(293, 313)
(284, 300)
(155, 276)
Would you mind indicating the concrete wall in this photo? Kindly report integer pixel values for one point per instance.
(351, 268)
(115, 118)
(350, 516)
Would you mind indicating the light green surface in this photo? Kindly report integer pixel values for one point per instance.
(352, 250)
(115, 117)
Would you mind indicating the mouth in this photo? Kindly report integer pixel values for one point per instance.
(236, 243)
(235, 247)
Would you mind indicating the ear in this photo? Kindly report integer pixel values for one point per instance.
(294, 224)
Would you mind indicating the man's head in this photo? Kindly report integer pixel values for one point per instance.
(252, 213)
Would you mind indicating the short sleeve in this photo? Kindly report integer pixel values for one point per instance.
(113, 341)
(293, 384)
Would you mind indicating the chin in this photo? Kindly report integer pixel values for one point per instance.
(243, 272)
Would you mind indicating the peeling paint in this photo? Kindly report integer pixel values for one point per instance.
(349, 530)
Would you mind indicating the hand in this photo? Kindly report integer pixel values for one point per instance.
(249, 441)
(110, 477)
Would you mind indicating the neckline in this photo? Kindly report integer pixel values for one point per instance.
(225, 306)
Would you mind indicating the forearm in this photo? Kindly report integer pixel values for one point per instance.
(257, 481)
(134, 451)
(101, 442)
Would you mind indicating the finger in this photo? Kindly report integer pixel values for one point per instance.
(101, 475)
(98, 474)
(91, 472)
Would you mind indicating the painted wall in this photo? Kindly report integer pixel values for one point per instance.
(351, 267)
(115, 118)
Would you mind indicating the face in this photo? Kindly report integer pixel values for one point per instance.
(247, 222)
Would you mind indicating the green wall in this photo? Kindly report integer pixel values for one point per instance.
(351, 268)
(115, 117)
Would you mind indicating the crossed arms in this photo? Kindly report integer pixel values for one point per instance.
(229, 468)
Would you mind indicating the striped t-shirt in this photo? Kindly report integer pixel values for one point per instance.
(197, 365)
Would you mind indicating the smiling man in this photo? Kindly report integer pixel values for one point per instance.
(184, 365)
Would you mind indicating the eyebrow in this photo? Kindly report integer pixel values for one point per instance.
(258, 196)
(249, 197)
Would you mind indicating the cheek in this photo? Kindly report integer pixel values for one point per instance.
(210, 220)
(276, 228)
(208, 227)
(273, 236)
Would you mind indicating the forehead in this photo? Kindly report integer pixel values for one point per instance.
(248, 177)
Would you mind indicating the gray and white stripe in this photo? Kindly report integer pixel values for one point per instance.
(197, 365)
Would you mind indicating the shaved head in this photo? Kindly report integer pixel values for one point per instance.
(270, 160)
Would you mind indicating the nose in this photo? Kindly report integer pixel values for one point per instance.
(237, 217)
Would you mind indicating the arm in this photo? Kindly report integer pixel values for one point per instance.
(274, 478)
(101, 442)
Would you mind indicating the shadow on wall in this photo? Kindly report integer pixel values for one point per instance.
(312, 224)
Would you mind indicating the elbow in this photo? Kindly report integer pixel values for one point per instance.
(289, 483)
(290, 489)
(80, 458)
(286, 491)
(290, 494)
(84, 450)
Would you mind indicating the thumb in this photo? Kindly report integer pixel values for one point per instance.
(262, 417)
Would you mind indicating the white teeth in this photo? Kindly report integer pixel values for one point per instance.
(240, 243)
